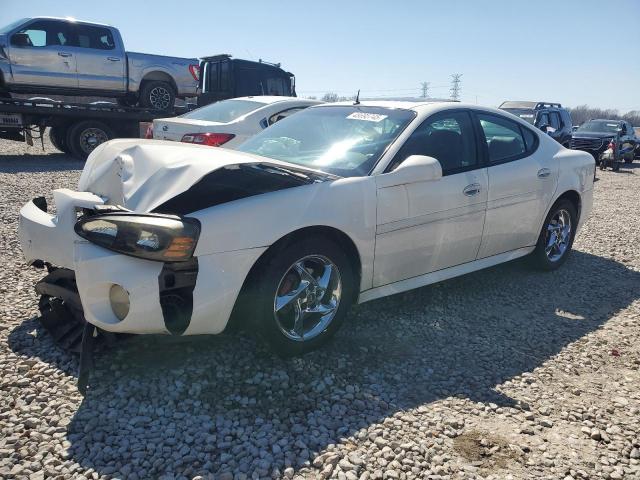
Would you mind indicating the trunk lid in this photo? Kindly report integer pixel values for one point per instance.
(174, 129)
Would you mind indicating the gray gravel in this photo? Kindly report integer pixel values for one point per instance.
(505, 373)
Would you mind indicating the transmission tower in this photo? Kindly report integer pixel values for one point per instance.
(456, 86)
(425, 89)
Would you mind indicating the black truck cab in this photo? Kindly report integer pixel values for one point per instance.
(223, 77)
(549, 117)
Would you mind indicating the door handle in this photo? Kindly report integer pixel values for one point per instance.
(113, 59)
(64, 54)
(471, 190)
(544, 172)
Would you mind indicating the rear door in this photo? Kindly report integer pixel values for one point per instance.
(101, 62)
(428, 226)
(521, 184)
(47, 58)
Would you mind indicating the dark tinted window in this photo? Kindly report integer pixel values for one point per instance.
(225, 76)
(448, 137)
(46, 33)
(543, 119)
(99, 38)
(504, 138)
(555, 120)
(211, 74)
(530, 139)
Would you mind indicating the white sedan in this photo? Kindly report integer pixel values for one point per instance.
(337, 204)
(229, 122)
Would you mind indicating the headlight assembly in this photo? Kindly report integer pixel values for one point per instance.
(152, 237)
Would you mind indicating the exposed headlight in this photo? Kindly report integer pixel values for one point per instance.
(153, 237)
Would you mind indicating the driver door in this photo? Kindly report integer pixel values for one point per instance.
(47, 59)
(427, 226)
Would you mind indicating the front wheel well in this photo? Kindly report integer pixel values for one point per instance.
(573, 197)
(241, 310)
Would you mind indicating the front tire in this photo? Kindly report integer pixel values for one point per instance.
(556, 238)
(157, 95)
(303, 296)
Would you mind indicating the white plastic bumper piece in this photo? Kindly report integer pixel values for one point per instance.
(51, 237)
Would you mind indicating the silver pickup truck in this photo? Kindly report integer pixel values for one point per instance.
(67, 57)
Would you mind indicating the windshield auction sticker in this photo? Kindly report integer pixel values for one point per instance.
(369, 117)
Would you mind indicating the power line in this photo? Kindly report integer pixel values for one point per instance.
(455, 86)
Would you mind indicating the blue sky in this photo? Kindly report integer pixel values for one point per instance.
(571, 51)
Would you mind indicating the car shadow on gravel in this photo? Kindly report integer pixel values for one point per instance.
(184, 407)
(39, 162)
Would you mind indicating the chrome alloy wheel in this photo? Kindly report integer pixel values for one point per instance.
(558, 235)
(160, 98)
(307, 298)
(90, 138)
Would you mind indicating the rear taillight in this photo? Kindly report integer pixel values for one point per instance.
(211, 139)
(195, 72)
(149, 132)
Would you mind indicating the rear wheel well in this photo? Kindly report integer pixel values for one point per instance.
(241, 310)
(160, 77)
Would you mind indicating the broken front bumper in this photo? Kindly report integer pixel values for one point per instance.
(51, 237)
(184, 298)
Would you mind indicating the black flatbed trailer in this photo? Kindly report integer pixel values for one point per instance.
(76, 128)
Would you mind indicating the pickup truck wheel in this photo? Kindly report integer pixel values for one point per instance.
(58, 138)
(303, 295)
(84, 137)
(157, 95)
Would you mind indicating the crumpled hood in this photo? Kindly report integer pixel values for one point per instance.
(142, 174)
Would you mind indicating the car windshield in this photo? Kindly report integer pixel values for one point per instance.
(12, 25)
(342, 140)
(525, 114)
(599, 126)
(224, 112)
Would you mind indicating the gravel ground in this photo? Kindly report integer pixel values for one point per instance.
(505, 373)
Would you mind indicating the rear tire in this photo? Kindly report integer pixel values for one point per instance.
(58, 138)
(295, 323)
(555, 241)
(157, 95)
(84, 137)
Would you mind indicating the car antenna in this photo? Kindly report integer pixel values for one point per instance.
(357, 102)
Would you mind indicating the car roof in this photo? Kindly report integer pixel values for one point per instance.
(69, 19)
(269, 99)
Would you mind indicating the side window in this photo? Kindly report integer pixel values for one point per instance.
(504, 138)
(555, 120)
(43, 34)
(276, 117)
(543, 119)
(447, 137)
(98, 38)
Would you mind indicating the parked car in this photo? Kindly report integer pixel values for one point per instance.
(595, 136)
(68, 57)
(224, 77)
(229, 122)
(339, 203)
(549, 117)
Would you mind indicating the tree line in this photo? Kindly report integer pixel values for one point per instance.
(582, 113)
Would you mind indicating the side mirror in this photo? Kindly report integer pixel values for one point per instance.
(623, 129)
(21, 40)
(544, 127)
(414, 169)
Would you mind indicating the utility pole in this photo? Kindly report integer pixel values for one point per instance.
(425, 89)
(455, 86)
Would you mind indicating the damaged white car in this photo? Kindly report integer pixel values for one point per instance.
(337, 204)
